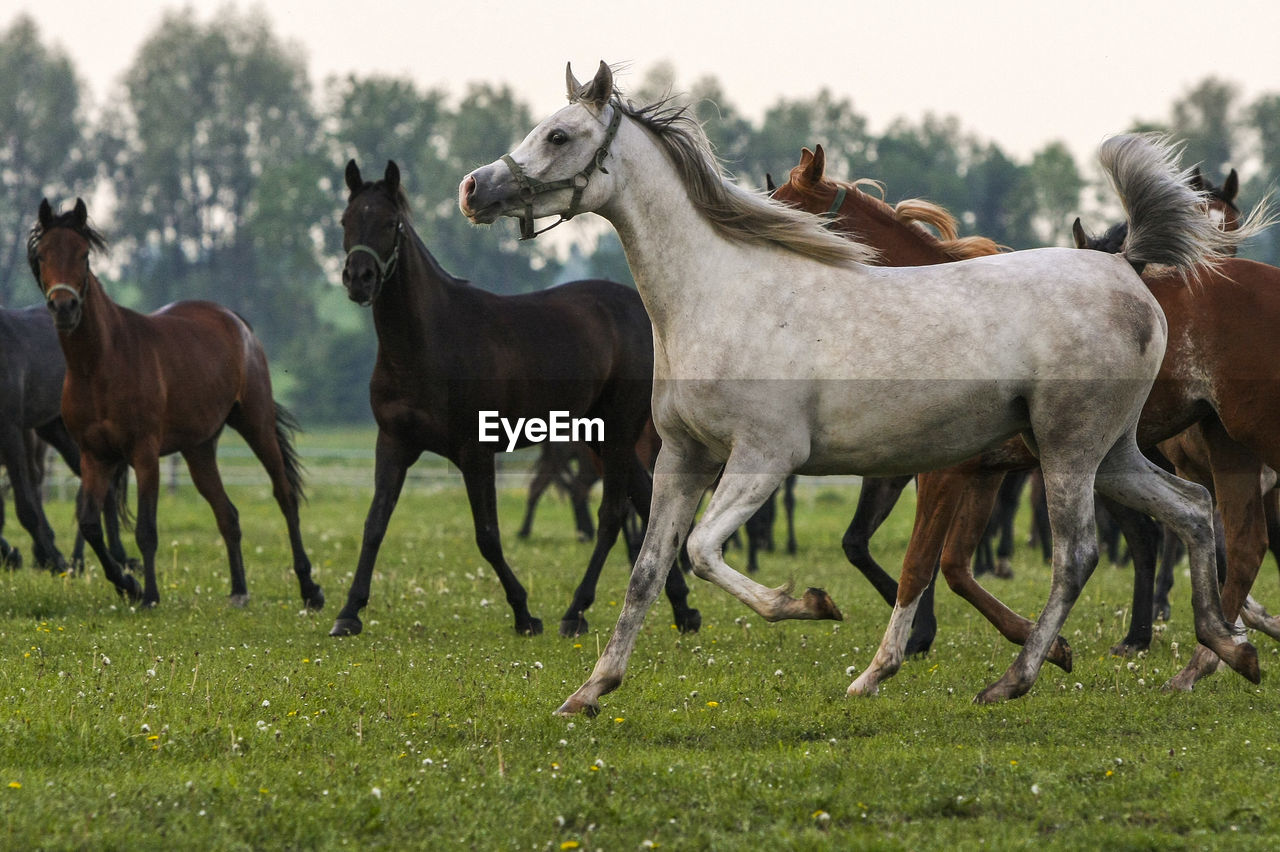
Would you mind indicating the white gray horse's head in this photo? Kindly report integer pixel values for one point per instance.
(561, 168)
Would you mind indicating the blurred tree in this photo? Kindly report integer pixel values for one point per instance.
(1205, 119)
(1056, 185)
(790, 125)
(1000, 205)
(216, 118)
(42, 146)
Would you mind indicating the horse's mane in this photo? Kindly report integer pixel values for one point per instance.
(97, 243)
(913, 212)
(735, 212)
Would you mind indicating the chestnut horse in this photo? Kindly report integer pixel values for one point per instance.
(142, 386)
(1214, 378)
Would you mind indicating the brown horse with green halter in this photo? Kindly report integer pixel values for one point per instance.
(142, 386)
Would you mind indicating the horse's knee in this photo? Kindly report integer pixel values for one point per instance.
(702, 552)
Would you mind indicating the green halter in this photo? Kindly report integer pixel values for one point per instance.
(530, 188)
(386, 268)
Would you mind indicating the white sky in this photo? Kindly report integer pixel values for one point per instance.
(1017, 72)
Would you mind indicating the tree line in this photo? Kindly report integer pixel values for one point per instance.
(216, 172)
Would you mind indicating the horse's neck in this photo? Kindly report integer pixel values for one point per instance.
(899, 244)
(409, 312)
(99, 321)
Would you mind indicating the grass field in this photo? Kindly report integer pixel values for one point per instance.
(197, 725)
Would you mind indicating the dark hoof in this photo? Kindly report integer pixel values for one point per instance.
(691, 623)
(572, 626)
(314, 602)
(346, 627)
(11, 559)
(1245, 661)
(522, 534)
(131, 589)
(532, 627)
(1128, 649)
(1161, 612)
(819, 603)
(239, 601)
(919, 645)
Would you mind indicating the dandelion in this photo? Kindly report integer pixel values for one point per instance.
(619, 720)
(266, 703)
(263, 791)
(1035, 789)
(15, 785)
(1109, 773)
(570, 844)
(713, 704)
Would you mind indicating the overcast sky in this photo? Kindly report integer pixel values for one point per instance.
(1017, 72)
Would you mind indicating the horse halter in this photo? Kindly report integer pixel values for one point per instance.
(833, 212)
(530, 188)
(386, 268)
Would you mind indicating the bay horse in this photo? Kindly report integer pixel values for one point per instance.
(871, 370)
(142, 386)
(1218, 347)
(31, 375)
(448, 350)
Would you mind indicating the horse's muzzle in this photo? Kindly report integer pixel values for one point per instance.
(66, 310)
(361, 280)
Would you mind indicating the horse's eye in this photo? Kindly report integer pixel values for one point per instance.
(558, 137)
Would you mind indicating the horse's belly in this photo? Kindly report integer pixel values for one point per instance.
(908, 427)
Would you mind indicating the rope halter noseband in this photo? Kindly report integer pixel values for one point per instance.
(530, 187)
(386, 268)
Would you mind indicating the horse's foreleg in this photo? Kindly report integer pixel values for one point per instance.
(202, 463)
(392, 459)
(876, 500)
(678, 484)
(26, 499)
(478, 475)
(789, 505)
(95, 482)
(146, 469)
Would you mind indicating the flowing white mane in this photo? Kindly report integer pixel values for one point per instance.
(737, 213)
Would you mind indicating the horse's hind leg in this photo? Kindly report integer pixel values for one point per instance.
(1143, 537)
(202, 462)
(544, 473)
(1185, 508)
(26, 499)
(95, 480)
(266, 428)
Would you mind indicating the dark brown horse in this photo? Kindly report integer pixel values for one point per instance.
(139, 387)
(1218, 374)
(448, 351)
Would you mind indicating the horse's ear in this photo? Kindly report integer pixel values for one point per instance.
(769, 184)
(600, 89)
(571, 84)
(45, 216)
(392, 176)
(1197, 179)
(1231, 186)
(1078, 234)
(354, 181)
(80, 215)
(819, 165)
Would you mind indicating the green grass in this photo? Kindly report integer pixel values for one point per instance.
(197, 725)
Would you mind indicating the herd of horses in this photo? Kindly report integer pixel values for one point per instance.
(815, 330)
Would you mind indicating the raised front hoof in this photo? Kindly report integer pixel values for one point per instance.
(820, 605)
(346, 627)
(690, 622)
(1002, 690)
(314, 602)
(529, 626)
(571, 626)
(1060, 654)
(576, 706)
(1245, 660)
(863, 689)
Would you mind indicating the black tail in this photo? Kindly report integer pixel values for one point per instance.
(286, 427)
(119, 496)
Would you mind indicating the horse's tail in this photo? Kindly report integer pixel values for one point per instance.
(286, 427)
(1167, 220)
(120, 497)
